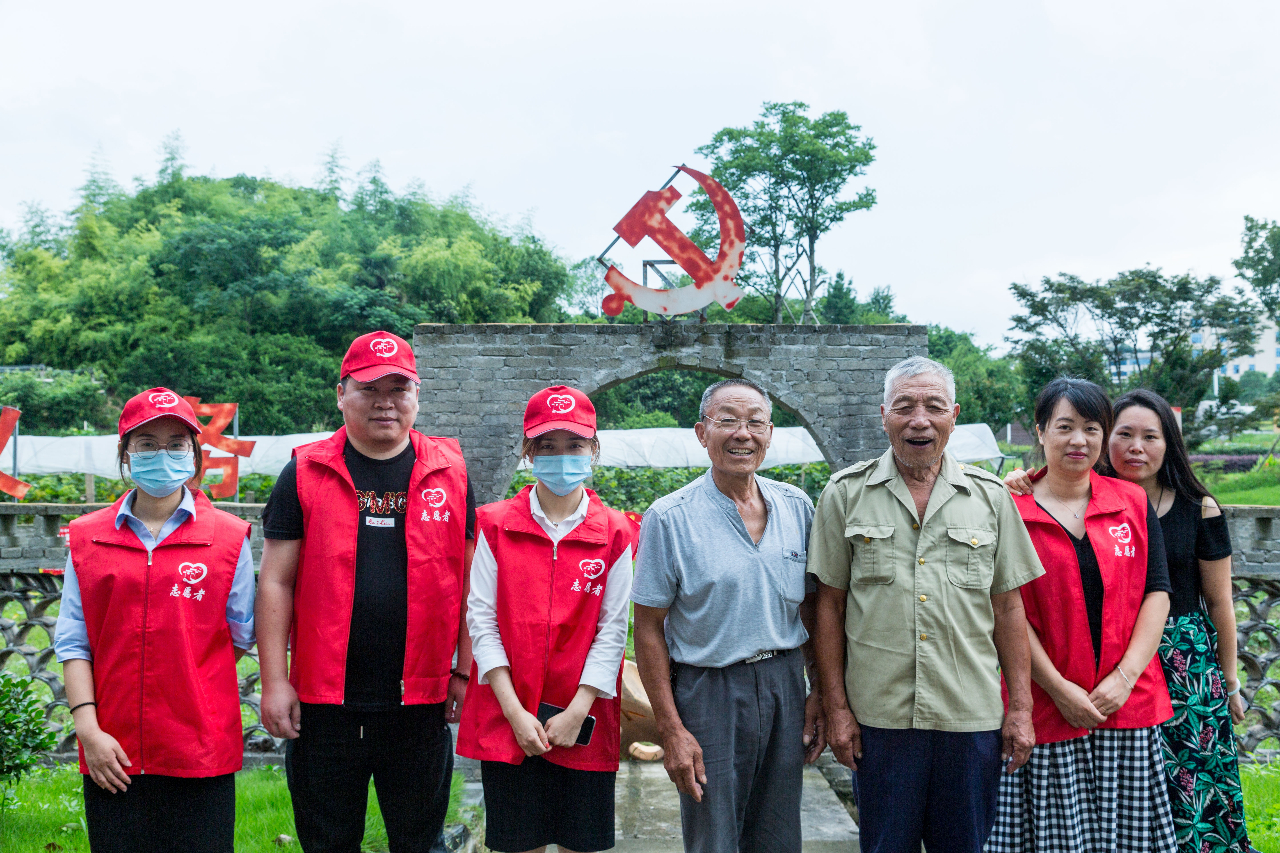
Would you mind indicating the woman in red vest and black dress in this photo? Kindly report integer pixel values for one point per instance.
(157, 606)
(1198, 651)
(1096, 778)
(547, 613)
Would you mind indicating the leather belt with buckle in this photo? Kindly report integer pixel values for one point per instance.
(762, 656)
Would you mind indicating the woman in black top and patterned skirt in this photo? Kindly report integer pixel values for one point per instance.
(1198, 648)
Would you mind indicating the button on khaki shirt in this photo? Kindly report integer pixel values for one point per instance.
(919, 646)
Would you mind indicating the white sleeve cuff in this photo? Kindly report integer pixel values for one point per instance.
(601, 678)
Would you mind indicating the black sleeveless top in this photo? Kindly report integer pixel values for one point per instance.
(1188, 538)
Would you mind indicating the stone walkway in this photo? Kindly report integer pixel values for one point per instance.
(648, 813)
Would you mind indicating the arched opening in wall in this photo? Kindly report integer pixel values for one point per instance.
(669, 399)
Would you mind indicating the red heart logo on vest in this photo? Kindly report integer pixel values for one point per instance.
(1121, 532)
(435, 498)
(592, 568)
(193, 572)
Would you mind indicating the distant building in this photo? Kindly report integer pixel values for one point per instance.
(1130, 364)
(1266, 358)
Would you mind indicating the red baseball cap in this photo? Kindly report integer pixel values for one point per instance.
(378, 354)
(156, 403)
(559, 407)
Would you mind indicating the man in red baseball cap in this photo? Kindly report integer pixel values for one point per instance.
(369, 534)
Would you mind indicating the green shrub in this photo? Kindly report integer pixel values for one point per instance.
(23, 733)
(69, 489)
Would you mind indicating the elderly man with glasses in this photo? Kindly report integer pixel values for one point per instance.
(723, 614)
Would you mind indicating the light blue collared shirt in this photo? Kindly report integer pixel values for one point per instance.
(727, 597)
(71, 637)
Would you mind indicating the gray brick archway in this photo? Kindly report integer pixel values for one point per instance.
(476, 379)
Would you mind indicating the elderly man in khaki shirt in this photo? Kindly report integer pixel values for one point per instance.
(919, 559)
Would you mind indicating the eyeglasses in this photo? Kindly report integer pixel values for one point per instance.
(754, 426)
(147, 449)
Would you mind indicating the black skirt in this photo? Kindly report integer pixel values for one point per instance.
(162, 813)
(535, 803)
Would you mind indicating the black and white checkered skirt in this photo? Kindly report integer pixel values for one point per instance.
(1105, 792)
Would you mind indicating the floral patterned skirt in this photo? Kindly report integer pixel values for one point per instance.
(1199, 750)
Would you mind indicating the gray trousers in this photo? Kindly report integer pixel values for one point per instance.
(749, 720)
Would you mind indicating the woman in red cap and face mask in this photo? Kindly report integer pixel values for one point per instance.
(157, 606)
(547, 614)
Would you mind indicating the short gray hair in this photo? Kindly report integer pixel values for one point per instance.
(919, 365)
(729, 383)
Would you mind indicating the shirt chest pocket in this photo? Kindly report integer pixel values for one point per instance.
(971, 557)
(793, 567)
(873, 553)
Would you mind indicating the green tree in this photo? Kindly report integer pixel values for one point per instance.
(1253, 384)
(1259, 263)
(248, 290)
(1134, 330)
(676, 393)
(841, 305)
(57, 402)
(746, 162)
(788, 173)
(988, 389)
(664, 398)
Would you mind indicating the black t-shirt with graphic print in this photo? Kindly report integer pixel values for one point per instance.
(379, 611)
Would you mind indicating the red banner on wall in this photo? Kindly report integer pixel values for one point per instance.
(220, 416)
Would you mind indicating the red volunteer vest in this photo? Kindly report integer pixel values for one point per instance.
(548, 605)
(1116, 524)
(164, 669)
(324, 590)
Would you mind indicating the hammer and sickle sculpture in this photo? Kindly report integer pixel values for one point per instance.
(712, 281)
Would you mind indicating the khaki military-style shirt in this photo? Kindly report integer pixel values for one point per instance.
(919, 624)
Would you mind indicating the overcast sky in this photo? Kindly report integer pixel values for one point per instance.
(1014, 140)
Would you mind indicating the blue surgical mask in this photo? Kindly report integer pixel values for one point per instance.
(562, 474)
(161, 475)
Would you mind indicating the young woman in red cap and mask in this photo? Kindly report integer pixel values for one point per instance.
(157, 606)
(547, 613)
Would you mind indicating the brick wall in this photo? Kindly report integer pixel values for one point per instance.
(476, 379)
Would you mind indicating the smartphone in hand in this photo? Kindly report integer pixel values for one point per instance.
(546, 711)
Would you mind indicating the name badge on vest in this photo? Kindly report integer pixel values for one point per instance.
(374, 521)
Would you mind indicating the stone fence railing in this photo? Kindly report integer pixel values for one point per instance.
(29, 549)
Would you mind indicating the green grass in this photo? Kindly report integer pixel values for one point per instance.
(1257, 488)
(48, 807)
(1268, 496)
(1261, 783)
